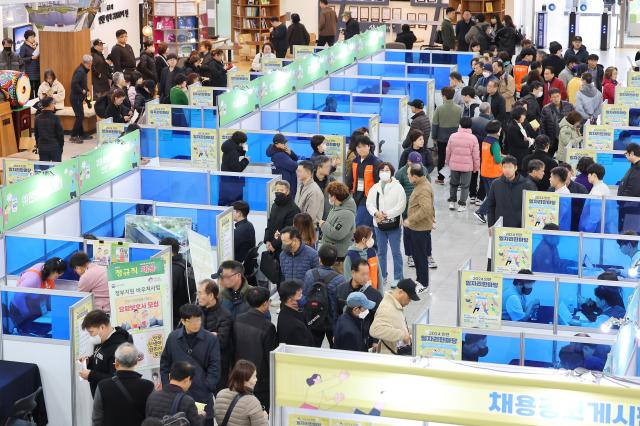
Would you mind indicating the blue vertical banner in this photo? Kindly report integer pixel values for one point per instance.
(541, 31)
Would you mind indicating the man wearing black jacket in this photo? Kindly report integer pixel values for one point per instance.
(48, 132)
(419, 121)
(541, 147)
(497, 102)
(352, 27)
(244, 235)
(106, 339)
(630, 185)
(234, 159)
(183, 289)
(292, 328)
(124, 60)
(100, 70)
(462, 28)
(282, 212)
(78, 95)
(278, 37)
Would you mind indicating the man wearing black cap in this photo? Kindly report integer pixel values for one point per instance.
(48, 132)
(577, 50)
(419, 121)
(100, 70)
(389, 324)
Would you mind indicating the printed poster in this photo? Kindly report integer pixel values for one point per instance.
(512, 249)
(81, 344)
(17, 170)
(575, 154)
(224, 135)
(271, 64)
(271, 194)
(159, 115)
(344, 422)
(629, 96)
(305, 420)
(404, 117)
(202, 259)
(119, 252)
(480, 300)
(431, 98)
(152, 229)
(374, 128)
(633, 79)
(599, 138)
(224, 247)
(141, 304)
(109, 132)
(203, 149)
(336, 149)
(438, 342)
(615, 115)
(541, 208)
(238, 78)
(302, 51)
(201, 96)
(102, 253)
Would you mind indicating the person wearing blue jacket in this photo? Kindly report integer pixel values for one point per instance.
(350, 333)
(284, 161)
(296, 258)
(193, 344)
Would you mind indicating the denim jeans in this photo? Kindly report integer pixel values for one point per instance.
(363, 217)
(393, 237)
(486, 182)
(459, 179)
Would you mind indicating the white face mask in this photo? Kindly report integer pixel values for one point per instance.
(486, 74)
(385, 176)
(370, 242)
(540, 94)
(95, 340)
(363, 314)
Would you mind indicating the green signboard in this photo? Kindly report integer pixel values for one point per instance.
(341, 55)
(238, 102)
(275, 85)
(372, 42)
(309, 69)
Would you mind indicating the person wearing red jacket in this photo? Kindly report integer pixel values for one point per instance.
(551, 81)
(609, 84)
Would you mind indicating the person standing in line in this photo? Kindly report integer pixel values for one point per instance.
(479, 130)
(470, 102)
(555, 59)
(535, 173)
(296, 257)
(609, 85)
(517, 141)
(167, 78)
(541, 146)
(292, 329)
(361, 176)
(281, 215)
(446, 119)
(309, 197)
(497, 102)
(568, 72)
(327, 24)
(462, 28)
(386, 202)
(247, 409)
(362, 248)
(570, 134)
(244, 234)
(558, 180)
(350, 331)
(630, 184)
(577, 50)
(30, 55)
(48, 132)
(79, 91)
(421, 217)
(447, 31)
(506, 85)
(183, 286)
(551, 82)
(234, 159)
(588, 100)
(322, 176)
(552, 115)
(122, 399)
(341, 222)
(161, 402)
(595, 174)
(463, 158)
(161, 60)
(418, 145)
(490, 164)
(507, 37)
(455, 81)
(419, 121)
(124, 60)
(352, 27)
(147, 64)
(9, 60)
(284, 161)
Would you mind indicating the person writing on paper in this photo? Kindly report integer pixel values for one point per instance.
(630, 248)
(43, 275)
(105, 340)
(93, 279)
(608, 303)
(516, 303)
(237, 401)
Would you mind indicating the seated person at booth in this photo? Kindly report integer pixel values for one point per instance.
(43, 275)
(608, 304)
(406, 37)
(474, 347)
(546, 257)
(330, 104)
(630, 248)
(583, 355)
(267, 53)
(93, 279)
(516, 305)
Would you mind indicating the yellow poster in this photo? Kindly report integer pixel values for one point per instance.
(224, 135)
(159, 115)
(336, 149)
(615, 115)
(480, 300)
(341, 422)
(224, 242)
(204, 150)
(16, 170)
(629, 96)
(304, 420)
(201, 96)
(272, 64)
(599, 138)
(109, 132)
(102, 253)
(633, 78)
(374, 128)
(271, 194)
(438, 342)
(575, 154)
(119, 253)
(540, 208)
(81, 344)
(512, 249)
(404, 117)
(239, 78)
(302, 51)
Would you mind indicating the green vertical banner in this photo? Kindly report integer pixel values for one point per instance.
(276, 85)
(38, 194)
(237, 103)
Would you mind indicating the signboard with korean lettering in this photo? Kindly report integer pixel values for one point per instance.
(140, 296)
(599, 138)
(540, 208)
(480, 299)
(438, 342)
(224, 244)
(512, 249)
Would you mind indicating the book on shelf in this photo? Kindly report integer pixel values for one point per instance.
(488, 7)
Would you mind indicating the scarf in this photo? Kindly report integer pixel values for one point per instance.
(33, 45)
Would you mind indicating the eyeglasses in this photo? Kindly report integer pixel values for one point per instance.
(229, 276)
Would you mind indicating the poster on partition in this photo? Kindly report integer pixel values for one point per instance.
(224, 234)
(615, 115)
(152, 229)
(633, 78)
(140, 298)
(201, 96)
(119, 252)
(345, 422)
(81, 344)
(335, 149)
(480, 299)
(431, 95)
(302, 51)
(307, 420)
(599, 138)
(201, 256)
(271, 194)
(575, 154)
(109, 132)
(438, 342)
(512, 248)
(16, 170)
(541, 208)
(159, 115)
(238, 78)
(102, 253)
(629, 96)
(106, 162)
(204, 149)
(374, 128)
(31, 197)
(271, 64)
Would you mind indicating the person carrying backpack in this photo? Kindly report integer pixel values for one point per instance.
(319, 302)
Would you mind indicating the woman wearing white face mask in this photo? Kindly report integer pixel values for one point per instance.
(362, 248)
(385, 202)
(349, 332)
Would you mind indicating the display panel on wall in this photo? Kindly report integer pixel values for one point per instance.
(371, 2)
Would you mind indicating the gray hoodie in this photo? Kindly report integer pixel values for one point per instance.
(588, 101)
(340, 225)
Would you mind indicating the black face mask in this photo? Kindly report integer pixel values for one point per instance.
(7, 48)
(483, 352)
(526, 291)
(281, 199)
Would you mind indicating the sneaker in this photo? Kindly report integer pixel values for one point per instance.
(432, 262)
(275, 300)
(462, 208)
(421, 289)
(452, 205)
(410, 262)
(478, 202)
(472, 200)
(440, 181)
(480, 216)
(86, 137)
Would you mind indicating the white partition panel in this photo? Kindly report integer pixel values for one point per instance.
(128, 187)
(234, 126)
(256, 168)
(252, 122)
(64, 221)
(103, 191)
(12, 280)
(290, 102)
(3, 261)
(36, 226)
(323, 84)
(259, 221)
(53, 361)
(392, 147)
(351, 71)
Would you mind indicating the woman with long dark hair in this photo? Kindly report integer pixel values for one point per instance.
(507, 37)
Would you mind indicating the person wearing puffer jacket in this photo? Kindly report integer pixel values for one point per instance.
(463, 158)
(588, 99)
(386, 202)
(284, 161)
(570, 136)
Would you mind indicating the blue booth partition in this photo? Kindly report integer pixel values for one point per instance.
(106, 218)
(624, 135)
(148, 141)
(439, 73)
(174, 143)
(543, 289)
(555, 252)
(198, 117)
(175, 185)
(203, 218)
(357, 84)
(616, 165)
(462, 60)
(333, 123)
(323, 101)
(23, 251)
(289, 121)
(227, 187)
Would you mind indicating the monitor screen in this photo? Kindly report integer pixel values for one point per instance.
(18, 35)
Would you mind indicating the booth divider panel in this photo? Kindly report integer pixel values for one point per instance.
(174, 186)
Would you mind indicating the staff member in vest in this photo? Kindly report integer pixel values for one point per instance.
(361, 177)
(490, 163)
(43, 275)
(362, 248)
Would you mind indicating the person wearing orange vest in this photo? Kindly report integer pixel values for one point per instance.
(362, 248)
(43, 275)
(490, 163)
(361, 176)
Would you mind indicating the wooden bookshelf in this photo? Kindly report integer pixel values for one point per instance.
(180, 24)
(251, 19)
(489, 7)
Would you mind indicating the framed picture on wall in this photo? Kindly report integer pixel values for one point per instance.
(364, 14)
(375, 14)
(422, 17)
(397, 13)
(354, 12)
(411, 16)
(386, 14)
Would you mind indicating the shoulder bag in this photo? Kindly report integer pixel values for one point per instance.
(386, 224)
(227, 416)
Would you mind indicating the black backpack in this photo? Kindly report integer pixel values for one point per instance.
(176, 418)
(317, 309)
(101, 106)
